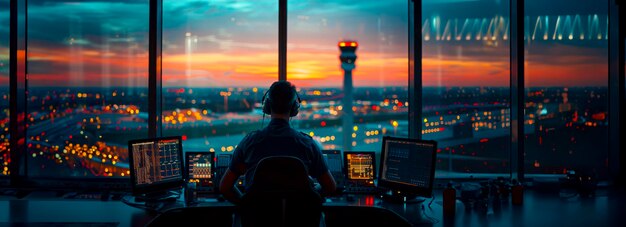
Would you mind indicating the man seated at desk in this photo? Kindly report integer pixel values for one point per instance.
(281, 102)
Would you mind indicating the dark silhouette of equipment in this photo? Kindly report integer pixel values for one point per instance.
(581, 183)
(281, 194)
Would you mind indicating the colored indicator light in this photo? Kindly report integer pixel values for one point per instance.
(348, 44)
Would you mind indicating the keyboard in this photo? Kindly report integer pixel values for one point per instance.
(362, 190)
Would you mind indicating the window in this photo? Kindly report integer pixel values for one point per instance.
(379, 80)
(566, 77)
(87, 82)
(466, 73)
(4, 88)
(219, 57)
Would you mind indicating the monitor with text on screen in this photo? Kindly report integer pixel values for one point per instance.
(200, 169)
(335, 165)
(408, 166)
(360, 167)
(156, 164)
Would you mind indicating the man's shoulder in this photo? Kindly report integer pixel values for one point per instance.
(305, 136)
(251, 136)
(308, 140)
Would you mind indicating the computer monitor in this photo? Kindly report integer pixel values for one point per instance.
(360, 167)
(156, 165)
(222, 162)
(334, 162)
(407, 166)
(199, 168)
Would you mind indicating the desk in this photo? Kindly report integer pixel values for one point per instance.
(539, 209)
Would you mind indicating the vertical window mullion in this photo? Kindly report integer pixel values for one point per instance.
(282, 39)
(517, 88)
(154, 68)
(415, 72)
(17, 99)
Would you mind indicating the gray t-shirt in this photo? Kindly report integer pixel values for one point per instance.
(277, 139)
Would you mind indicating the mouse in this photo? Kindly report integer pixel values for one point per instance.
(221, 199)
(349, 198)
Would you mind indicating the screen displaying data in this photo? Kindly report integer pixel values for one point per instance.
(360, 166)
(156, 161)
(333, 160)
(407, 162)
(199, 167)
(335, 165)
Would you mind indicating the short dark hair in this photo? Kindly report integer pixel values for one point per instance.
(283, 95)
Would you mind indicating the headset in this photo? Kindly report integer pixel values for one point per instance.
(267, 101)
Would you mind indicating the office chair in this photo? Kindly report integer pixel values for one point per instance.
(340, 216)
(200, 216)
(281, 194)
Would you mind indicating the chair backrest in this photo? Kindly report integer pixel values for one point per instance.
(281, 194)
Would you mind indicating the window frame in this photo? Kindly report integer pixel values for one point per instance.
(617, 93)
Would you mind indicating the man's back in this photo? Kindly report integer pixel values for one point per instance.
(277, 139)
(282, 103)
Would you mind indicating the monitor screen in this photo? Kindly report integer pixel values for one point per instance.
(408, 165)
(334, 162)
(222, 163)
(156, 164)
(200, 169)
(223, 160)
(360, 167)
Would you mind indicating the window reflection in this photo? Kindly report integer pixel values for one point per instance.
(4, 88)
(219, 57)
(87, 84)
(380, 77)
(566, 119)
(466, 73)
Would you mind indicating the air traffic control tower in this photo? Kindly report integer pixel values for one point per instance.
(347, 57)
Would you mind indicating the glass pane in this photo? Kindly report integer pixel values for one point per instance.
(566, 62)
(218, 59)
(379, 81)
(87, 86)
(4, 88)
(466, 80)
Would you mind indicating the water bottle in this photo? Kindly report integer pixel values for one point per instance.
(517, 193)
(449, 200)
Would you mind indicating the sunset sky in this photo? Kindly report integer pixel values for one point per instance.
(226, 43)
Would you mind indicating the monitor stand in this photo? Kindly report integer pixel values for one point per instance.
(414, 200)
(157, 197)
(153, 201)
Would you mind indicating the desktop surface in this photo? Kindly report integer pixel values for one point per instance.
(539, 209)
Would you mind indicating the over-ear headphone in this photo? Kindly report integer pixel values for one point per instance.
(267, 101)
